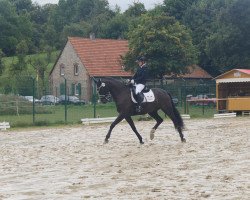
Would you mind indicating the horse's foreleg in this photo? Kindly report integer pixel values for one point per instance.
(117, 120)
(132, 125)
(158, 119)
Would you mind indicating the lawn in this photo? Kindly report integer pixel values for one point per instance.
(75, 113)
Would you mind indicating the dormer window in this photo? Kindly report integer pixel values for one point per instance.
(62, 69)
(76, 69)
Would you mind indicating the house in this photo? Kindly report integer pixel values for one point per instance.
(196, 81)
(194, 75)
(83, 59)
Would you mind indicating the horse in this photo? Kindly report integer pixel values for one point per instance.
(121, 95)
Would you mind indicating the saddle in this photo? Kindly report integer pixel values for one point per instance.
(148, 95)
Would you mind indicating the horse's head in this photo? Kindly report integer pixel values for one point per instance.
(103, 90)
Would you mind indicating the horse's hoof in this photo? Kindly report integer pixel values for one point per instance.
(183, 140)
(106, 141)
(152, 135)
(141, 142)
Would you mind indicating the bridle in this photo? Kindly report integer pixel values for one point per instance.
(106, 96)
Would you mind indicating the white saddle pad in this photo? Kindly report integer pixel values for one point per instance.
(148, 97)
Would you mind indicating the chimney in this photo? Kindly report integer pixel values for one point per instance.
(92, 36)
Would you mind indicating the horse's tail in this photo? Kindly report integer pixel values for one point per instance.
(178, 122)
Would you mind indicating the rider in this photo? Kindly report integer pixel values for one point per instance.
(139, 80)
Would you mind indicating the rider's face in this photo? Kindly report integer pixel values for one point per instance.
(140, 63)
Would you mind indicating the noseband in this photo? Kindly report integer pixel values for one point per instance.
(106, 96)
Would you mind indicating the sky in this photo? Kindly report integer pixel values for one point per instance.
(123, 4)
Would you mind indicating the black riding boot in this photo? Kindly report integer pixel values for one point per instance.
(139, 99)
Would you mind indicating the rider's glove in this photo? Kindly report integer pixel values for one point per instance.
(132, 81)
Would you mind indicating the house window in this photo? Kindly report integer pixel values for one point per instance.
(76, 69)
(62, 88)
(76, 89)
(62, 69)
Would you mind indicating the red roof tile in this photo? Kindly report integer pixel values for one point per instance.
(194, 72)
(246, 71)
(101, 57)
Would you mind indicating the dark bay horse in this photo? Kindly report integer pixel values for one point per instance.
(121, 95)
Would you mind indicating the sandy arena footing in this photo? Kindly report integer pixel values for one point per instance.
(73, 163)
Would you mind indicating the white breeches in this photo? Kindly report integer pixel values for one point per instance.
(138, 88)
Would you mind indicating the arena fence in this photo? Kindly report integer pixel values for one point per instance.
(22, 102)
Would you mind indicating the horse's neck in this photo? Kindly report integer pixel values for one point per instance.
(116, 90)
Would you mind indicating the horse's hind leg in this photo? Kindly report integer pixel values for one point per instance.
(132, 125)
(176, 119)
(158, 119)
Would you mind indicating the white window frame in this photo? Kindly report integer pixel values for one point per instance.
(62, 69)
(76, 89)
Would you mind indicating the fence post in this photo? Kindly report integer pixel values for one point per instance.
(185, 95)
(65, 103)
(33, 103)
(94, 99)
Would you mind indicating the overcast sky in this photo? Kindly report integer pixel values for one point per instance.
(123, 4)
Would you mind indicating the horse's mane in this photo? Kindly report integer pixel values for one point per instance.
(113, 80)
(110, 79)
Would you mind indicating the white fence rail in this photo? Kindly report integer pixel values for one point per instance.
(97, 120)
(225, 115)
(4, 125)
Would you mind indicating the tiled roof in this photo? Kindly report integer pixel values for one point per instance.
(101, 57)
(194, 72)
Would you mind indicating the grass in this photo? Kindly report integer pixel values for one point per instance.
(76, 112)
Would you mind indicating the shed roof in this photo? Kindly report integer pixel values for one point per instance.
(101, 57)
(246, 71)
(235, 74)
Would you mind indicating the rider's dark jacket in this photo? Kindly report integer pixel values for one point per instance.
(141, 75)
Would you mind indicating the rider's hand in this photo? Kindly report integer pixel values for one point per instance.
(132, 81)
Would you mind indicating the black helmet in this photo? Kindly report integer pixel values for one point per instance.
(141, 59)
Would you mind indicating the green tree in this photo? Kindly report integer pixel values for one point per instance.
(21, 64)
(40, 65)
(80, 29)
(117, 27)
(8, 25)
(165, 42)
(22, 5)
(229, 45)
(135, 10)
(177, 8)
(200, 16)
(1, 62)
(14, 28)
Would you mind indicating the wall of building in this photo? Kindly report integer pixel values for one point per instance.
(68, 58)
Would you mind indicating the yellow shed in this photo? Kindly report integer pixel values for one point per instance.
(233, 90)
